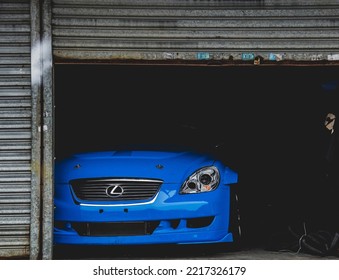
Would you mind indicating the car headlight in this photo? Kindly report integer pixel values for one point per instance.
(203, 180)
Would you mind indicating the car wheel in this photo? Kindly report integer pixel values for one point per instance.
(234, 227)
(235, 220)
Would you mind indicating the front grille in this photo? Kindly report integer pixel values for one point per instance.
(115, 229)
(113, 189)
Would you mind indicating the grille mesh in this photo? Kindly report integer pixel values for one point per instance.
(126, 189)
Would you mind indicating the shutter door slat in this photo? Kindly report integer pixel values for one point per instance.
(15, 128)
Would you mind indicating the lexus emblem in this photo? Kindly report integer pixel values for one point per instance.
(114, 191)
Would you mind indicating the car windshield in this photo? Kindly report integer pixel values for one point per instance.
(141, 135)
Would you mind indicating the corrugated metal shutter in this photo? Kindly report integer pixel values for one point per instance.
(15, 128)
(191, 30)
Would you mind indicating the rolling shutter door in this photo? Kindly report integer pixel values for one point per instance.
(193, 30)
(15, 128)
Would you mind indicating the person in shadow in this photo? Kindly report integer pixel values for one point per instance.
(314, 228)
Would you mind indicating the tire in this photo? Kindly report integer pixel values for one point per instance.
(235, 226)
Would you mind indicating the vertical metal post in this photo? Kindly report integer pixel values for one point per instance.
(47, 132)
(36, 84)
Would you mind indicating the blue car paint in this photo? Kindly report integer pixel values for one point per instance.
(172, 168)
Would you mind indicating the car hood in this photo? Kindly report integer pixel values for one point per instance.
(169, 166)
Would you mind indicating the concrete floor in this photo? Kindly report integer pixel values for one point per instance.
(177, 252)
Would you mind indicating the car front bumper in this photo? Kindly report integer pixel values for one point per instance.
(169, 218)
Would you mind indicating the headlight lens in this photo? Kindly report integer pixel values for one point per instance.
(203, 180)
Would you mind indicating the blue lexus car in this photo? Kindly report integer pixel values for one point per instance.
(139, 195)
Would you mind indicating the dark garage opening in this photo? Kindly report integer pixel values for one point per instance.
(268, 116)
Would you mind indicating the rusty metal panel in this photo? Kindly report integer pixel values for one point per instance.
(195, 30)
(15, 128)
